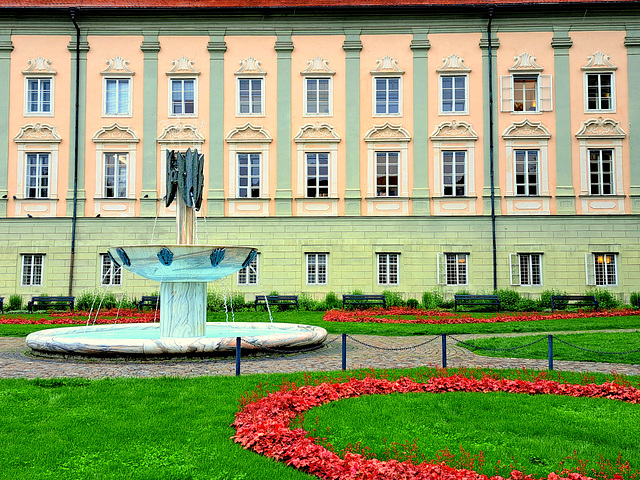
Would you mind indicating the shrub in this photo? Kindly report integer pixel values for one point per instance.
(635, 299)
(606, 299)
(394, 299)
(238, 303)
(306, 302)
(15, 302)
(413, 303)
(545, 299)
(527, 305)
(432, 300)
(331, 302)
(215, 302)
(357, 292)
(509, 299)
(93, 299)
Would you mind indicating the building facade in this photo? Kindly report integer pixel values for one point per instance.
(405, 147)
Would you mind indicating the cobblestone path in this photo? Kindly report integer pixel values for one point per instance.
(363, 351)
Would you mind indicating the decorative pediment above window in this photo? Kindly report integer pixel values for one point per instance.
(115, 134)
(453, 63)
(525, 63)
(39, 65)
(180, 133)
(387, 66)
(248, 133)
(454, 130)
(599, 62)
(37, 133)
(317, 132)
(601, 128)
(183, 66)
(526, 129)
(117, 66)
(317, 67)
(387, 133)
(250, 66)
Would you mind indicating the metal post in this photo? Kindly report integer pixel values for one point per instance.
(238, 350)
(344, 352)
(550, 352)
(444, 350)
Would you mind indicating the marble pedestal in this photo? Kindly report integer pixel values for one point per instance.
(183, 309)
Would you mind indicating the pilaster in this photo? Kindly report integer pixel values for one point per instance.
(284, 47)
(215, 196)
(352, 47)
(6, 46)
(420, 196)
(149, 195)
(632, 42)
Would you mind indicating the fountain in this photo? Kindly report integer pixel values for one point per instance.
(183, 271)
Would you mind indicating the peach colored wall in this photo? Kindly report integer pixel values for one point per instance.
(306, 48)
(539, 46)
(466, 46)
(584, 44)
(54, 48)
(102, 49)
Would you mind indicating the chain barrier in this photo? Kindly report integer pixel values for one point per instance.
(462, 342)
(596, 351)
(301, 350)
(392, 349)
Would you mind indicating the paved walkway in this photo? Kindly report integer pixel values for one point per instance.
(16, 362)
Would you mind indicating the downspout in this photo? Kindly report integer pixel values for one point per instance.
(491, 147)
(74, 218)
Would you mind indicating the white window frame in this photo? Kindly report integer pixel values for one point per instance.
(249, 275)
(251, 113)
(116, 176)
(110, 273)
(129, 82)
(523, 264)
(443, 270)
(612, 98)
(317, 176)
(453, 185)
(387, 175)
(39, 111)
(36, 274)
(592, 260)
(544, 93)
(182, 100)
(387, 138)
(387, 103)
(38, 176)
(527, 162)
(329, 112)
(600, 183)
(465, 110)
(249, 175)
(317, 271)
(388, 268)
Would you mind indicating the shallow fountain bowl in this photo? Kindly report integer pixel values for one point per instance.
(182, 263)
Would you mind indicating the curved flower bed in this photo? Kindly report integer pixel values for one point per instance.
(437, 317)
(264, 425)
(78, 317)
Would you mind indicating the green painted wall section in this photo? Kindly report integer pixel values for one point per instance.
(352, 47)
(352, 243)
(215, 159)
(6, 46)
(284, 47)
(632, 42)
(420, 195)
(148, 196)
(486, 121)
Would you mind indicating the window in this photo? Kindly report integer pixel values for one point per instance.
(183, 96)
(599, 91)
(249, 274)
(317, 96)
(117, 96)
(601, 172)
(526, 172)
(37, 175)
(115, 175)
(39, 96)
(453, 94)
(317, 268)
(452, 268)
(454, 173)
(387, 174)
(601, 269)
(248, 175)
(526, 269)
(111, 274)
(32, 265)
(387, 95)
(388, 268)
(317, 175)
(250, 95)
(526, 93)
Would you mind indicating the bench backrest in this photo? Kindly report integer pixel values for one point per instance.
(363, 297)
(53, 299)
(476, 297)
(566, 298)
(276, 298)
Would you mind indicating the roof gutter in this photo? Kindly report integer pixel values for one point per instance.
(74, 218)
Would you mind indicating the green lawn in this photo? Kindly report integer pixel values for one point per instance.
(600, 342)
(178, 428)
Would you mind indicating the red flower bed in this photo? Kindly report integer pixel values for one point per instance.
(264, 425)
(437, 317)
(79, 317)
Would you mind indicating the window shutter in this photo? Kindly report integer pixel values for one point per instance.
(514, 268)
(506, 93)
(546, 93)
(442, 269)
(590, 269)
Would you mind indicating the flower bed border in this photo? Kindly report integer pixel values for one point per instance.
(264, 425)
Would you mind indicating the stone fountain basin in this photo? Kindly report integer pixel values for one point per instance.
(181, 263)
(145, 339)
